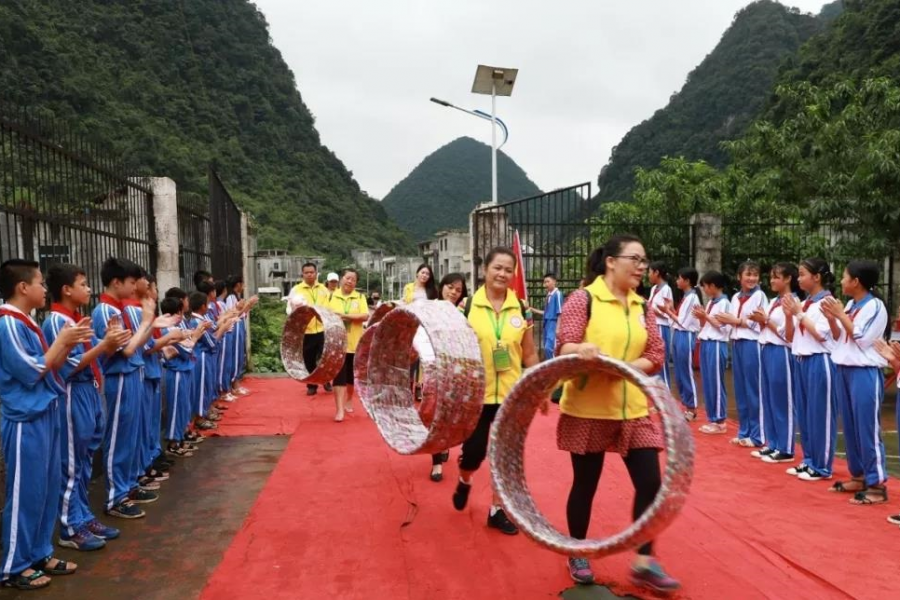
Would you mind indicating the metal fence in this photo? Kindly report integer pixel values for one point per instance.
(62, 199)
(225, 221)
(769, 243)
(194, 247)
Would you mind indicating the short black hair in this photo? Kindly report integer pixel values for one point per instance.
(715, 279)
(232, 280)
(205, 287)
(15, 271)
(660, 267)
(310, 264)
(171, 306)
(176, 292)
(690, 274)
(197, 300)
(60, 275)
(549, 274)
(220, 287)
(201, 275)
(151, 279)
(119, 268)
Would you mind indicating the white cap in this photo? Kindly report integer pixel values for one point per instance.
(332, 277)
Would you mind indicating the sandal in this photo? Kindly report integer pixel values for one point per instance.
(875, 494)
(27, 582)
(61, 568)
(848, 487)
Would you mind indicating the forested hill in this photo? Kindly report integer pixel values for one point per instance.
(719, 99)
(174, 85)
(445, 187)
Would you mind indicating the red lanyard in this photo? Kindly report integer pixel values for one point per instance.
(77, 317)
(107, 299)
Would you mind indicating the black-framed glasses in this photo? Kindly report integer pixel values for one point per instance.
(640, 261)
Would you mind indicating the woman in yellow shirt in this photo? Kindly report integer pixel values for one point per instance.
(422, 287)
(602, 413)
(504, 331)
(351, 306)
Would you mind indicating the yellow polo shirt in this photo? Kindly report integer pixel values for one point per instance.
(350, 304)
(315, 295)
(619, 332)
(512, 327)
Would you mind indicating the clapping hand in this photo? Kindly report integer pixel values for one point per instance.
(699, 313)
(758, 316)
(791, 305)
(166, 321)
(832, 307)
(79, 333)
(890, 352)
(116, 336)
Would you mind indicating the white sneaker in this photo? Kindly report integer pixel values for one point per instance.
(796, 470)
(762, 452)
(809, 475)
(229, 397)
(242, 391)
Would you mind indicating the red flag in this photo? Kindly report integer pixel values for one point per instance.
(518, 284)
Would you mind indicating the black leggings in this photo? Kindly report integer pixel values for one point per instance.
(474, 449)
(643, 468)
(313, 344)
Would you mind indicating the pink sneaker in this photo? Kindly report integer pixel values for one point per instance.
(580, 570)
(654, 577)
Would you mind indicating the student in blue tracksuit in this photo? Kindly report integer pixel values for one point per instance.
(660, 297)
(891, 353)
(859, 380)
(685, 326)
(746, 362)
(550, 315)
(714, 337)
(123, 388)
(30, 390)
(179, 367)
(81, 413)
(224, 389)
(815, 397)
(203, 352)
(778, 367)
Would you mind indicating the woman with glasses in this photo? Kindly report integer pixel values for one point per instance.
(600, 413)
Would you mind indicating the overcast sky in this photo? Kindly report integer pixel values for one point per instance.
(588, 72)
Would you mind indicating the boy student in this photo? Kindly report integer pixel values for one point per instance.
(179, 382)
(222, 321)
(203, 353)
(187, 364)
(29, 427)
(123, 387)
(81, 415)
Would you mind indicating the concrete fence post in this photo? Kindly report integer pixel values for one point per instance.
(165, 211)
(707, 242)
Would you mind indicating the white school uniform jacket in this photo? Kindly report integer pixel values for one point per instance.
(686, 320)
(743, 305)
(778, 318)
(659, 293)
(710, 332)
(870, 319)
(805, 344)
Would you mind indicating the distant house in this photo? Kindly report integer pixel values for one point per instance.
(278, 269)
(448, 252)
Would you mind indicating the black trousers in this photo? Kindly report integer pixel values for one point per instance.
(474, 449)
(643, 468)
(313, 345)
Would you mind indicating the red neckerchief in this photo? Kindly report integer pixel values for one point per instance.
(655, 292)
(76, 316)
(809, 302)
(742, 299)
(30, 324)
(775, 305)
(107, 299)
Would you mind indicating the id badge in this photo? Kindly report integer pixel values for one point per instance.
(502, 361)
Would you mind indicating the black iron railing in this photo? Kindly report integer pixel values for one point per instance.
(194, 247)
(225, 221)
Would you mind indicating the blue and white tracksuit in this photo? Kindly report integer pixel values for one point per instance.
(552, 309)
(683, 339)
(778, 381)
(81, 430)
(204, 352)
(746, 366)
(29, 430)
(153, 392)
(123, 388)
(815, 398)
(714, 360)
(179, 390)
(659, 295)
(859, 386)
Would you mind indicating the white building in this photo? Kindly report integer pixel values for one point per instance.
(277, 268)
(448, 252)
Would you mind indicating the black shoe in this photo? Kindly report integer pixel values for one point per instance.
(139, 496)
(311, 391)
(500, 521)
(461, 495)
(328, 387)
(162, 465)
(437, 477)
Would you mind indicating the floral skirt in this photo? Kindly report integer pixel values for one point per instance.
(586, 436)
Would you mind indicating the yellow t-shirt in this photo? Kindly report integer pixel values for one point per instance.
(512, 327)
(350, 304)
(621, 333)
(315, 295)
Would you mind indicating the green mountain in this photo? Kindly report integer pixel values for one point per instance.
(445, 187)
(172, 86)
(719, 99)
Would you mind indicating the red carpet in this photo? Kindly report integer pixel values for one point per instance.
(342, 516)
(275, 407)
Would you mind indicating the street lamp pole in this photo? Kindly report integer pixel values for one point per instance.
(493, 142)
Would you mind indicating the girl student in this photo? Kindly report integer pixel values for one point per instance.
(859, 380)
(778, 367)
(660, 295)
(815, 397)
(746, 365)
(714, 337)
(602, 414)
(503, 327)
(685, 327)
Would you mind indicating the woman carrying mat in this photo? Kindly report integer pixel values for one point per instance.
(603, 414)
